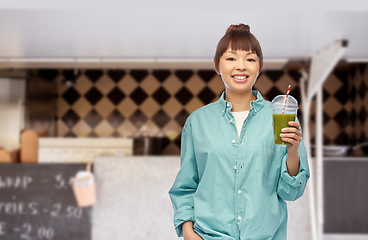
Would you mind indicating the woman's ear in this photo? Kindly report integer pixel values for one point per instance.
(217, 71)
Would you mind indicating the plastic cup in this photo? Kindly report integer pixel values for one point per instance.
(280, 119)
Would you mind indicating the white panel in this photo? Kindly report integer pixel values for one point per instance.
(132, 198)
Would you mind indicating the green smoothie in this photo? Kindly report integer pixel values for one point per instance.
(280, 121)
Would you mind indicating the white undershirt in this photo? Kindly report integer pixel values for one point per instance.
(239, 120)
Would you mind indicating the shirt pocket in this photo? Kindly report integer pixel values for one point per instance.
(270, 159)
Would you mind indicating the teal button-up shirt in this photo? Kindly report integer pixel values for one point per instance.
(230, 187)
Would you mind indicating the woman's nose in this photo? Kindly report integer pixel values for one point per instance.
(240, 66)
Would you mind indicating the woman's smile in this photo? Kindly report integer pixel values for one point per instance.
(240, 78)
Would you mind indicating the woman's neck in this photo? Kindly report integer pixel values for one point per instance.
(240, 101)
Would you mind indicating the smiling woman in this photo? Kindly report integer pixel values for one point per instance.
(234, 181)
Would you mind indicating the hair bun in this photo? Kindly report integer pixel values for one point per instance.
(241, 26)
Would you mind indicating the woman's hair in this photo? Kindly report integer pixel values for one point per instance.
(238, 37)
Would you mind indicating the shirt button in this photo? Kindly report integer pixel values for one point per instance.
(239, 218)
(239, 191)
(223, 111)
(233, 141)
(231, 120)
(255, 110)
(234, 167)
(228, 104)
(242, 142)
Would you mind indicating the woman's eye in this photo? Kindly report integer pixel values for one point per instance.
(251, 60)
(231, 59)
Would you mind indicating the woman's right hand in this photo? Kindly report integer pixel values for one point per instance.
(189, 233)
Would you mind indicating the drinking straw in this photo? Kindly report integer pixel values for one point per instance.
(287, 95)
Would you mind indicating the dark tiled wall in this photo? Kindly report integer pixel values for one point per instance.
(133, 103)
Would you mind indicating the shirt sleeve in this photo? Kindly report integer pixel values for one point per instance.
(185, 184)
(291, 188)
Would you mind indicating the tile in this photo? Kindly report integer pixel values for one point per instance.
(207, 96)
(82, 107)
(274, 75)
(139, 75)
(62, 129)
(342, 118)
(70, 118)
(71, 95)
(172, 130)
(283, 83)
(149, 107)
(172, 107)
(263, 85)
(104, 107)
(48, 74)
(272, 93)
(172, 84)
(216, 85)
(115, 134)
(195, 85)
(331, 107)
(184, 75)
(104, 129)
(93, 96)
(70, 75)
(353, 117)
(160, 118)
(332, 84)
(138, 95)
(165, 142)
(295, 75)
(193, 105)
(105, 84)
(161, 95)
(177, 141)
(362, 114)
(171, 150)
(342, 95)
(61, 87)
(116, 96)
(93, 135)
(341, 139)
(93, 118)
(70, 134)
(181, 117)
(138, 118)
(363, 89)
(83, 84)
(161, 75)
(116, 75)
(342, 75)
(62, 107)
(127, 84)
(115, 118)
(149, 128)
(81, 129)
(127, 129)
(127, 107)
(183, 95)
(93, 74)
(150, 85)
(206, 75)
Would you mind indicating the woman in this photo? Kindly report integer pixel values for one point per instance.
(234, 181)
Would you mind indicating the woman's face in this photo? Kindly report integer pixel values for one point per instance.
(239, 70)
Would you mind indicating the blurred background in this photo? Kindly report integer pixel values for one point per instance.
(87, 79)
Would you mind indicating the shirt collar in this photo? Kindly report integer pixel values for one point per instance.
(255, 106)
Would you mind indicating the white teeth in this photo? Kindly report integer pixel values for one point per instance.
(240, 77)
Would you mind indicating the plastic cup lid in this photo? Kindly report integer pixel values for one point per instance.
(279, 102)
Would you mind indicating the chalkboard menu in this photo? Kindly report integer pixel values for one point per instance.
(37, 203)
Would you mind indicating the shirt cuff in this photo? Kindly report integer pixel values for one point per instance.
(180, 218)
(294, 181)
